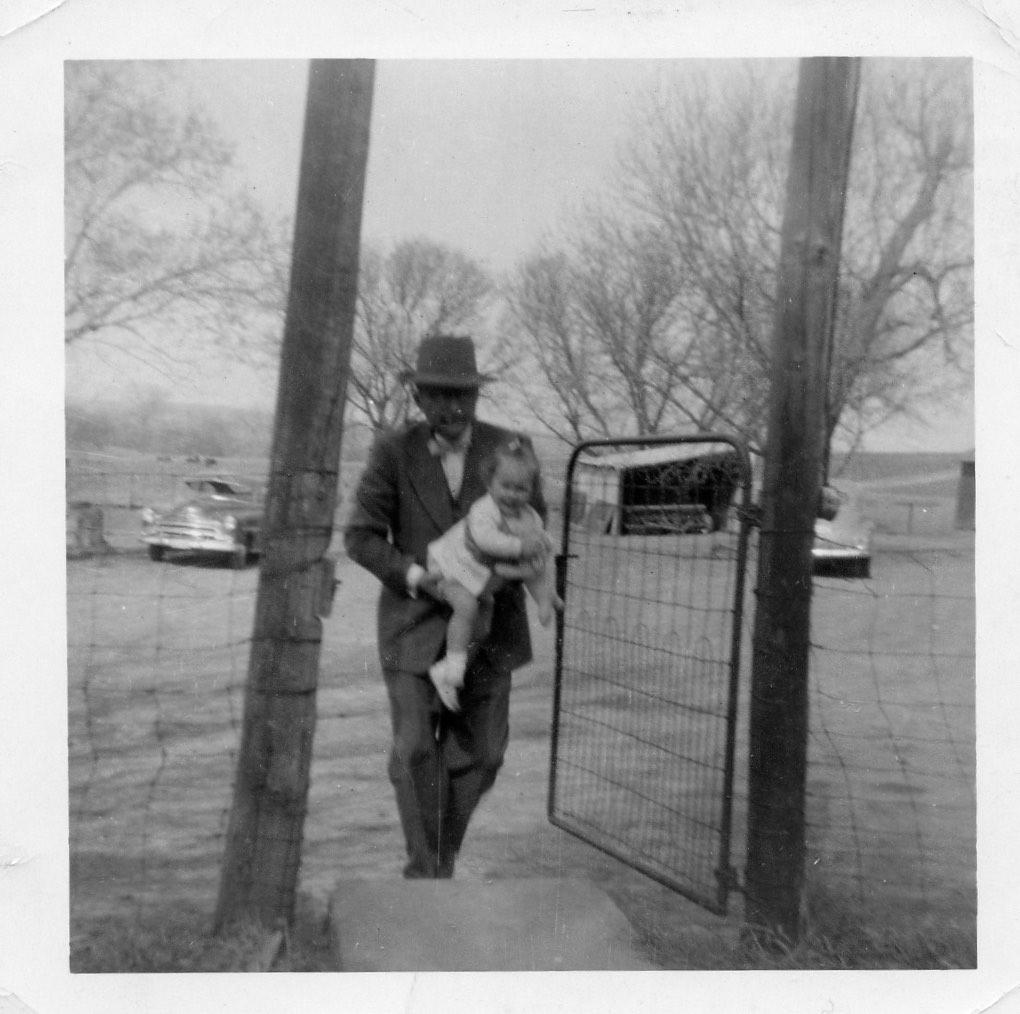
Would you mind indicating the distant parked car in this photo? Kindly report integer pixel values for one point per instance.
(222, 516)
(842, 543)
(842, 546)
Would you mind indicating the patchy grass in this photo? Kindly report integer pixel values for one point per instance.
(834, 937)
(858, 949)
(180, 939)
(837, 934)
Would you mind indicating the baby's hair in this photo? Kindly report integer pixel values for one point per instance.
(517, 448)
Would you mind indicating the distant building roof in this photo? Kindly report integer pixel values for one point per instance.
(655, 455)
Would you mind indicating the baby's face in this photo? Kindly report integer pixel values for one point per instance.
(510, 487)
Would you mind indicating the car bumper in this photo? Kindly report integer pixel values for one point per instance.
(841, 561)
(192, 543)
(840, 553)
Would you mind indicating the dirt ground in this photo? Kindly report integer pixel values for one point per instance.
(352, 830)
(157, 670)
(157, 661)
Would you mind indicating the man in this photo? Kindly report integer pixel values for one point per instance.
(417, 483)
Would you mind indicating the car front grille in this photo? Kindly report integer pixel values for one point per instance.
(189, 530)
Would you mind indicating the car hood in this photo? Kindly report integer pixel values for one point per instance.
(212, 506)
(855, 534)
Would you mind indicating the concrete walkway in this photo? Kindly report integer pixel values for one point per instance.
(535, 924)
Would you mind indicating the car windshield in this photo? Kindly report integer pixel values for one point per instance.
(217, 487)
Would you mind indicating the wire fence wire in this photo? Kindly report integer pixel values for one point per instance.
(891, 795)
(158, 656)
(157, 665)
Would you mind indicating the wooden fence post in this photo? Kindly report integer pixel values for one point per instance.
(805, 299)
(260, 867)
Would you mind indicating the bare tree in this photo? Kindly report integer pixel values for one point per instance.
(157, 242)
(661, 297)
(713, 179)
(418, 287)
(628, 287)
(655, 310)
(711, 164)
(904, 333)
(560, 377)
(607, 324)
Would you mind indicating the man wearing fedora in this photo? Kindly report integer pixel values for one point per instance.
(418, 482)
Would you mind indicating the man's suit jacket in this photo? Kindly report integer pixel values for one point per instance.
(403, 503)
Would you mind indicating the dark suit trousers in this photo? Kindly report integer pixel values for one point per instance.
(442, 763)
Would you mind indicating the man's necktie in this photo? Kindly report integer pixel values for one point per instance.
(451, 457)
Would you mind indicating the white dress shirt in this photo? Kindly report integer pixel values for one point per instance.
(451, 456)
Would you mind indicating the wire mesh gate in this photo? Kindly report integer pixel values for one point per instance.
(654, 551)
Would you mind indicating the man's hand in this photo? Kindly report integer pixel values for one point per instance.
(430, 585)
(532, 544)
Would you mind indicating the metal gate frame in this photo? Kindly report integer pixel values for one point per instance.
(726, 877)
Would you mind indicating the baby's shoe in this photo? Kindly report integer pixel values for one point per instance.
(442, 680)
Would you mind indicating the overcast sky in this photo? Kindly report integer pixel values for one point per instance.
(483, 155)
(480, 154)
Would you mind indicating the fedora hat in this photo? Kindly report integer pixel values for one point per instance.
(446, 360)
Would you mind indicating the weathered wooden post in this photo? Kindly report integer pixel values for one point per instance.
(260, 866)
(805, 299)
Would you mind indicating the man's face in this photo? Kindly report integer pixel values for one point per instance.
(448, 410)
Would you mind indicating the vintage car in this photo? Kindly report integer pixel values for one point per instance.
(222, 516)
(842, 546)
(842, 537)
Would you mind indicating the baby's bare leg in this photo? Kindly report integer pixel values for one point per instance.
(448, 673)
(462, 622)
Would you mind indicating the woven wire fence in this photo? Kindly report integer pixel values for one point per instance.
(156, 668)
(157, 656)
(890, 812)
(157, 665)
(891, 808)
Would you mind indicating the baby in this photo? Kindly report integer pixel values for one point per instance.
(501, 536)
